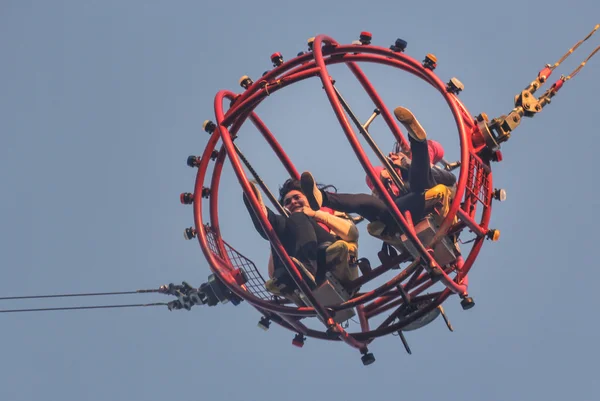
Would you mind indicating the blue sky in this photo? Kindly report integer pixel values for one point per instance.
(102, 102)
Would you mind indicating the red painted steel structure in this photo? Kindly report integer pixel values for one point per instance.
(474, 191)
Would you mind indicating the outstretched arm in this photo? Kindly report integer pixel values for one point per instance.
(343, 228)
(277, 221)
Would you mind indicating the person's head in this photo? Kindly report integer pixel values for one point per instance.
(436, 151)
(291, 196)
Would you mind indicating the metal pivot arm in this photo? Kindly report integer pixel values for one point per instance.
(526, 105)
(366, 125)
(443, 313)
(448, 166)
(499, 129)
(404, 342)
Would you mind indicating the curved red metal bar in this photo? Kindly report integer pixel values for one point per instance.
(299, 68)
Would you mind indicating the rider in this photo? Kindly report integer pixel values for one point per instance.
(302, 233)
(425, 187)
(402, 161)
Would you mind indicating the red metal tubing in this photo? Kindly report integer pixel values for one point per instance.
(224, 274)
(391, 295)
(429, 77)
(414, 280)
(385, 113)
(268, 229)
(472, 224)
(275, 72)
(277, 246)
(285, 160)
(430, 82)
(379, 270)
(283, 157)
(409, 65)
(337, 107)
(250, 102)
(378, 102)
(362, 318)
(485, 218)
(266, 133)
(220, 268)
(300, 76)
(384, 307)
(384, 303)
(368, 296)
(458, 111)
(214, 202)
(301, 68)
(217, 267)
(466, 119)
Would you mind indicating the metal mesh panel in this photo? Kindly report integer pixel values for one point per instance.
(478, 181)
(256, 283)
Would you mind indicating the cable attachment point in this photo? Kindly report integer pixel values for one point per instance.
(209, 293)
(498, 130)
(529, 104)
(187, 296)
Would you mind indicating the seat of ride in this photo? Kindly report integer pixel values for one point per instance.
(331, 292)
(337, 261)
(445, 250)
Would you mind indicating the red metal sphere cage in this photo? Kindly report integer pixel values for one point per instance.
(472, 201)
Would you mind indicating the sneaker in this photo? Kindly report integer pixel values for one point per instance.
(281, 290)
(310, 190)
(406, 118)
(338, 262)
(438, 197)
(275, 288)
